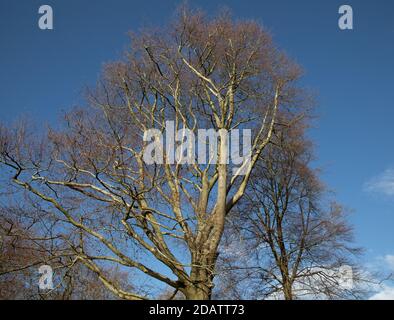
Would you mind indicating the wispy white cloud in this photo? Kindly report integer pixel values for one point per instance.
(389, 259)
(384, 290)
(387, 293)
(383, 183)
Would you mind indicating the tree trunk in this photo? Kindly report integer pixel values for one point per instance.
(197, 293)
(288, 291)
(200, 285)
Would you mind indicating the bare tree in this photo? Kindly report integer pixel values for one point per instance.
(164, 220)
(22, 251)
(294, 242)
(24, 248)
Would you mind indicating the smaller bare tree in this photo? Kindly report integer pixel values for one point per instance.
(293, 242)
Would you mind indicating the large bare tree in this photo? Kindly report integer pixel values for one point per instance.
(164, 220)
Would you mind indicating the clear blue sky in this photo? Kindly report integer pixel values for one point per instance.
(43, 72)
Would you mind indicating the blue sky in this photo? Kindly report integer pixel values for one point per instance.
(351, 72)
